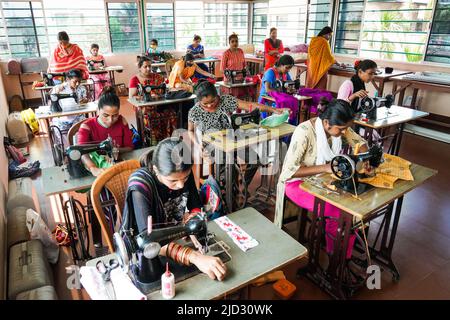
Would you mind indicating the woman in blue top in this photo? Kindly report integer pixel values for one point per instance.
(199, 53)
(279, 72)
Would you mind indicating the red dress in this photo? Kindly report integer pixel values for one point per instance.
(269, 46)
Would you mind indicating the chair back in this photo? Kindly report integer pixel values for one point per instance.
(71, 134)
(169, 66)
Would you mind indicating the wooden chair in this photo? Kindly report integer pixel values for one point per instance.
(73, 131)
(169, 66)
(115, 179)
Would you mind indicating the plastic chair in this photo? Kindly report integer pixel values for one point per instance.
(115, 179)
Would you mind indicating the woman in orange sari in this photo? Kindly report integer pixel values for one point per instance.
(67, 56)
(273, 49)
(320, 59)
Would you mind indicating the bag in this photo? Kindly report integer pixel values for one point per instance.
(39, 231)
(178, 94)
(211, 199)
(16, 104)
(17, 129)
(136, 138)
(34, 65)
(29, 117)
(275, 120)
(13, 152)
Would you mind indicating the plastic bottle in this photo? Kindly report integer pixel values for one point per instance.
(167, 284)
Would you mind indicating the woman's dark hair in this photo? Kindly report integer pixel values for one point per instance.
(285, 60)
(142, 59)
(154, 41)
(338, 112)
(94, 46)
(205, 89)
(272, 29)
(233, 36)
(324, 31)
(366, 65)
(171, 155)
(74, 73)
(197, 37)
(63, 36)
(108, 97)
(188, 57)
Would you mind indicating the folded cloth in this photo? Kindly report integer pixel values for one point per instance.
(124, 289)
(284, 100)
(241, 238)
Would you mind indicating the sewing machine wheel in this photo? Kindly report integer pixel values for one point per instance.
(343, 167)
(367, 104)
(80, 228)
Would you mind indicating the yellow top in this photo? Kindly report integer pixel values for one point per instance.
(320, 59)
(180, 69)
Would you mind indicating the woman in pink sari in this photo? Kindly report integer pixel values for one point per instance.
(96, 61)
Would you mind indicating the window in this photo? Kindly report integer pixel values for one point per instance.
(396, 30)
(124, 27)
(83, 20)
(189, 21)
(161, 24)
(349, 26)
(318, 17)
(215, 28)
(290, 20)
(23, 32)
(238, 21)
(439, 42)
(260, 26)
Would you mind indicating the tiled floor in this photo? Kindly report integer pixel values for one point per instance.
(422, 248)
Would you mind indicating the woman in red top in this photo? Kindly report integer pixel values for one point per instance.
(144, 77)
(273, 49)
(108, 123)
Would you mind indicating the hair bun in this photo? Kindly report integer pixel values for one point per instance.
(323, 105)
(108, 90)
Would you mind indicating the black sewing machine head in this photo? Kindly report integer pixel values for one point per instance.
(141, 251)
(94, 64)
(288, 86)
(240, 119)
(49, 78)
(151, 92)
(56, 97)
(74, 153)
(235, 76)
(346, 169)
(369, 105)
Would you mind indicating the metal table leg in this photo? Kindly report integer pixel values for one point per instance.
(73, 247)
(399, 137)
(229, 163)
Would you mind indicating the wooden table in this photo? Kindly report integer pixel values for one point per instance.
(255, 64)
(372, 204)
(227, 146)
(301, 106)
(276, 249)
(381, 78)
(89, 109)
(139, 112)
(111, 71)
(56, 181)
(395, 116)
(230, 88)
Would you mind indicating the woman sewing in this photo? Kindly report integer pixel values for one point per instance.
(273, 49)
(314, 143)
(108, 123)
(67, 56)
(166, 191)
(96, 61)
(199, 53)
(354, 89)
(183, 71)
(144, 77)
(320, 60)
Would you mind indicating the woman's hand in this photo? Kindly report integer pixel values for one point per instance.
(281, 110)
(84, 100)
(360, 94)
(327, 168)
(212, 266)
(96, 171)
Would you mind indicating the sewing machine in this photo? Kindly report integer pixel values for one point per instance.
(139, 254)
(49, 78)
(369, 106)
(151, 92)
(75, 166)
(346, 169)
(56, 97)
(288, 86)
(95, 65)
(235, 76)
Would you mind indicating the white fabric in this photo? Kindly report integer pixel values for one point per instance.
(324, 152)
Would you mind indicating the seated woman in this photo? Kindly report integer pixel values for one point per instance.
(354, 89)
(310, 153)
(98, 61)
(273, 49)
(165, 190)
(183, 71)
(153, 49)
(198, 51)
(67, 56)
(108, 123)
(70, 86)
(144, 77)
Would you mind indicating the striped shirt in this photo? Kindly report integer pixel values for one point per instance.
(233, 60)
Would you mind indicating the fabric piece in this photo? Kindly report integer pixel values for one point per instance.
(320, 59)
(64, 59)
(241, 238)
(306, 200)
(271, 76)
(316, 95)
(284, 100)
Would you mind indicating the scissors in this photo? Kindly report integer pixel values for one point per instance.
(105, 271)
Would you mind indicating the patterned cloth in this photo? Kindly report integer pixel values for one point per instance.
(71, 57)
(233, 60)
(179, 69)
(101, 80)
